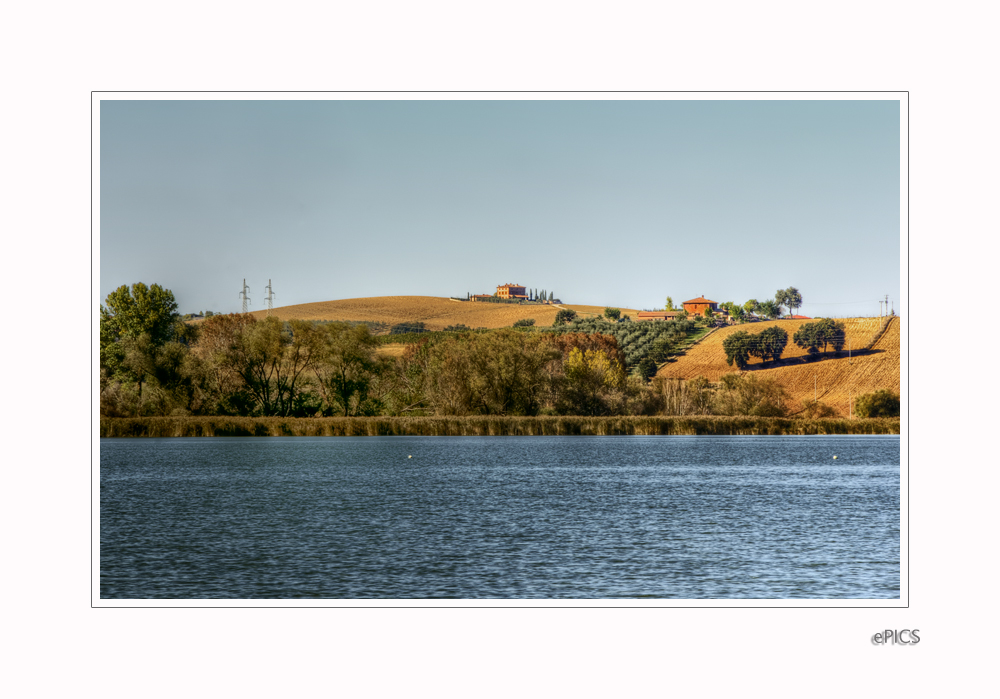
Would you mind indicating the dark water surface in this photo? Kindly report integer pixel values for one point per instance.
(500, 517)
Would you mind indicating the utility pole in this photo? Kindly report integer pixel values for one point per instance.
(269, 297)
(243, 295)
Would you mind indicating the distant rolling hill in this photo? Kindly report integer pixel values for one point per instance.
(435, 312)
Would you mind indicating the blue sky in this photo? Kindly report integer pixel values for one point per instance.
(603, 202)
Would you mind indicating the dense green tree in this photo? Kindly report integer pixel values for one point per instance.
(563, 316)
(346, 366)
(770, 343)
(881, 403)
(815, 337)
(612, 313)
(524, 323)
(647, 368)
(661, 349)
(768, 309)
(793, 299)
(790, 298)
(149, 310)
(141, 340)
(737, 347)
(670, 304)
(735, 311)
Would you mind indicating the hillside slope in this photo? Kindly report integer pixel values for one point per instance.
(437, 313)
(835, 379)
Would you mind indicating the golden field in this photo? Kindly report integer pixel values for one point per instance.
(587, 311)
(437, 313)
(836, 379)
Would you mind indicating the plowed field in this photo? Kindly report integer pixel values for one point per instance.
(437, 313)
(836, 379)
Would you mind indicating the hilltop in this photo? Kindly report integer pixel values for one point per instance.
(435, 312)
(836, 378)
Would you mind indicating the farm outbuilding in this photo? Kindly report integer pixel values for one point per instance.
(657, 315)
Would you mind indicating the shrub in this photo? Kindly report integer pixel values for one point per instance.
(524, 323)
(818, 409)
(750, 395)
(881, 403)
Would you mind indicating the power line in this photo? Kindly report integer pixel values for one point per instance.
(838, 303)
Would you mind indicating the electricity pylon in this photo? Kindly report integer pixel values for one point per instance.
(269, 297)
(243, 294)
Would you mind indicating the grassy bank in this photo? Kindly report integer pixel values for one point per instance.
(484, 425)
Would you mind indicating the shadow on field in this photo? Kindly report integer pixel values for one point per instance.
(812, 359)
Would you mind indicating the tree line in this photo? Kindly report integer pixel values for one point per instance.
(152, 363)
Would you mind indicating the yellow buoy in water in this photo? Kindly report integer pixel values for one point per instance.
(411, 456)
(835, 457)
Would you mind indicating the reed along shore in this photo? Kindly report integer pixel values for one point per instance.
(486, 425)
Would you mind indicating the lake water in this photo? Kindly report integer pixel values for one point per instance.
(500, 517)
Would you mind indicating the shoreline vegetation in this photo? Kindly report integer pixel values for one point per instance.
(487, 425)
(596, 375)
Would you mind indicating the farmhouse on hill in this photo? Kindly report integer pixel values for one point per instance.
(697, 306)
(511, 291)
